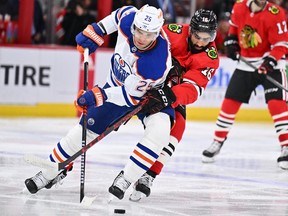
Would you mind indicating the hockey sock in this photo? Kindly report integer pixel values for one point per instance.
(156, 135)
(279, 112)
(175, 137)
(226, 119)
(67, 146)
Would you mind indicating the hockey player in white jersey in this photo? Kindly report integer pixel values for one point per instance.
(140, 63)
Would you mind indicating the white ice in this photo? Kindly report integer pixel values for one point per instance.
(244, 180)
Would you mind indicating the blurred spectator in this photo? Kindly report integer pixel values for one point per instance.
(222, 31)
(38, 28)
(8, 8)
(8, 25)
(77, 17)
(11, 9)
(167, 8)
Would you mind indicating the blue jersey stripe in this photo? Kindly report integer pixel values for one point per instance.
(139, 163)
(62, 151)
(147, 150)
(126, 9)
(51, 158)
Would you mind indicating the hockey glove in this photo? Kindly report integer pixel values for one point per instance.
(157, 99)
(91, 38)
(175, 74)
(96, 97)
(232, 47)
(268, 65)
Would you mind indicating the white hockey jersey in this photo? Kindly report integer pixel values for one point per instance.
(133, 71)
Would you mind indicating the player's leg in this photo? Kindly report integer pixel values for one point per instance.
(279, 112)
(71, 143)
(238, 91)
(157, 130)
(142, 186)
(224, 123)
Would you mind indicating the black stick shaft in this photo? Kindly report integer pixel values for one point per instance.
(269, 78)
(84, 128)
(111, 128)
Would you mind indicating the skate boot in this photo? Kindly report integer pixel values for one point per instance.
(37, 182)
(210, 153)
(142, 187)
(283, 159)
(119, 186)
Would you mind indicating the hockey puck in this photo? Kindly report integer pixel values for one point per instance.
(119, 211)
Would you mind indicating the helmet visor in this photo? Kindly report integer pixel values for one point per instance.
(207, 37)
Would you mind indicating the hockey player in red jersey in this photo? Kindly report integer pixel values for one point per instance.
(195, 60)
(258, 33)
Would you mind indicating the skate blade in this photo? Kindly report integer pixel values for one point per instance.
(207, 159)
(111, 197)
(136, 196)
(283, 165)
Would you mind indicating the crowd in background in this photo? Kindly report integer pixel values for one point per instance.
(73, 16)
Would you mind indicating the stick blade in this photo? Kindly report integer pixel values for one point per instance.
(87, 201)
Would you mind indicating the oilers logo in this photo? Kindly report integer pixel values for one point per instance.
(120, 68)
(91, 121)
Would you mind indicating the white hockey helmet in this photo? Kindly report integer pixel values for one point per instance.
(149, 19)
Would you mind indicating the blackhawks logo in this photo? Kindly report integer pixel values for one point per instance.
(211, 52)
(175, 28)
(249, 38)
(273, 9)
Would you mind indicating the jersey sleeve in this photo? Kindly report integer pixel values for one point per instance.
(233, 19)
(278, 36)
(200, 71)
(111, 21)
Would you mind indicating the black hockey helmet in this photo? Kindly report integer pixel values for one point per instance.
(204, 21)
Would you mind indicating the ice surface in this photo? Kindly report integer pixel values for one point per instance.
(244, 180)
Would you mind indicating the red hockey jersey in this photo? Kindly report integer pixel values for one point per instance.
(199, 67)
(260, 33)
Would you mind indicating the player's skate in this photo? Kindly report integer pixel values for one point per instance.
(119, 186)
(37, 182)
(142, 187)
(210, 153)
(283, 159)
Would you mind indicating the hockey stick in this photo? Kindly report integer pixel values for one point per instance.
(269, 78)
(84, 127)
(43, 163)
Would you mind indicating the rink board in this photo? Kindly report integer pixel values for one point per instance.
(44, 81)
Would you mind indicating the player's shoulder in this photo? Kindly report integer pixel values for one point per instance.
(209, 57)
(274, 11)
(176, 29)
(126, 22)
(240, 4)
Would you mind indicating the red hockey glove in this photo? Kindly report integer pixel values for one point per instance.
(157, 99)
(268, 65)
(232, 47)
